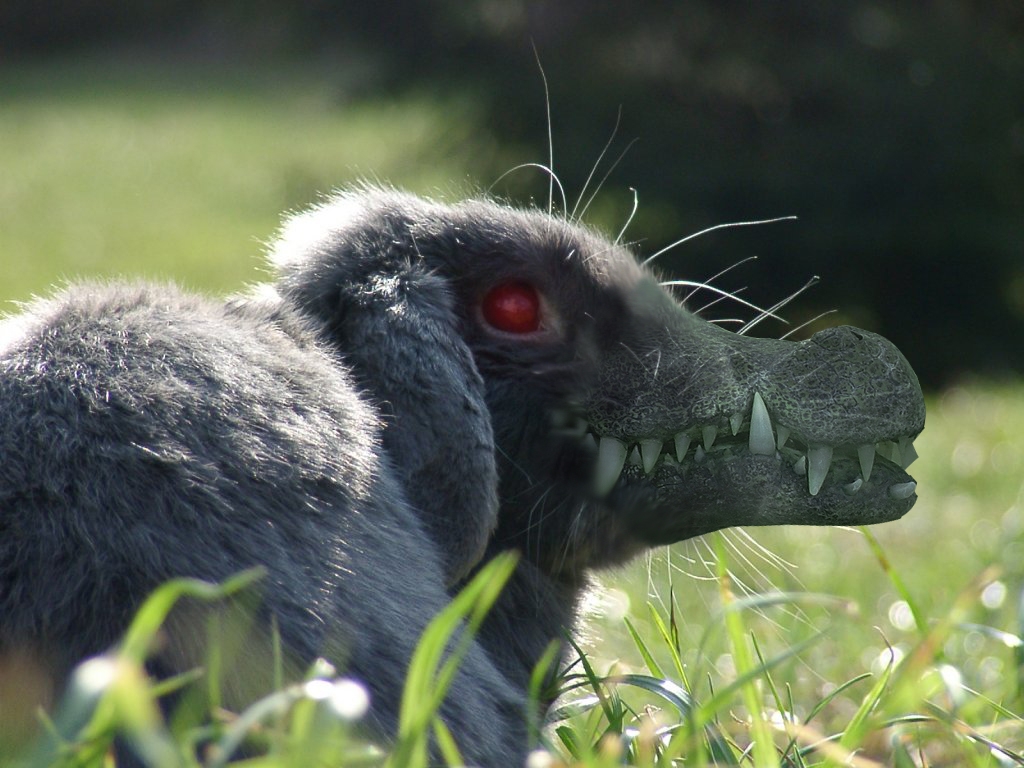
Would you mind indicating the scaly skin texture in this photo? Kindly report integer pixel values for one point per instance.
(362, 431)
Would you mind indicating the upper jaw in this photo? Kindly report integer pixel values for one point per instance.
(754, 434)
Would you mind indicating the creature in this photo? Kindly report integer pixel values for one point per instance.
(421, 386)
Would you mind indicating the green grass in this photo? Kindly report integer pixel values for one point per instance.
(941, 587)
(116, 168)
(110, 169)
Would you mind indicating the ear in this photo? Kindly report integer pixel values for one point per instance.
(395, 326)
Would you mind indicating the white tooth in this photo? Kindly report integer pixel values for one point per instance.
(800, 467)
(611, 456)
(908, 453)
(709, 433)
(670, 460)
(698, 455)
(783, 434)
(853, 487)
(590, 442)
(819, 459)
(902, 490)
(682, 445)
(634, 457)
(866, 454)
(650, 450)
(735, 422)
(894, 453)
(761, 440)
(889, 450)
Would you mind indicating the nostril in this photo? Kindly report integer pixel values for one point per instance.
(839, 338)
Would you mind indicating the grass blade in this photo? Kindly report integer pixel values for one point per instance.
(763, 746)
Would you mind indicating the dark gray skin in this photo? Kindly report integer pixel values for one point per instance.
(360, 430)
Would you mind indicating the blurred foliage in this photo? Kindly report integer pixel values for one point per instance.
(895, 131)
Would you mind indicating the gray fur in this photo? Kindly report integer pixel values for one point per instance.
(357, 429)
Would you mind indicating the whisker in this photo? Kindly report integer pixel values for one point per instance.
(636, 202)
(766, 554)
(809, 284)
(604, 178)
(804, 325)
(712, 229)
(597, 164)
(720, 298)
(551, 174)
(551, 142)
(713, 289)
(739, 263)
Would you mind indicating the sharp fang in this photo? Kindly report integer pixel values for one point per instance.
(634, 457)
(611, 457)
(889, 450)
(819, 459)
(650, 450)
(682, 445)
(590, 442)
(800, 467)
(853, 487)
(866, 454)
(709, 433)
(735, 422)
(783, 434)
(902, 490)
(908, 454)
(761, 440)
(698, 455)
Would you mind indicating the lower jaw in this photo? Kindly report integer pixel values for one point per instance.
(730, 487)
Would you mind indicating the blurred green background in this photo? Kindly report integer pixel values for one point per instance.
(166, 138)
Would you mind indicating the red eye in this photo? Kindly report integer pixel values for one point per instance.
(513, 308)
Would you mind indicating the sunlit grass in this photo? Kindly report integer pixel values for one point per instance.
(957, 554)
(118, 168)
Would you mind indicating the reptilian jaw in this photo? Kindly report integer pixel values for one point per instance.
(751, 434)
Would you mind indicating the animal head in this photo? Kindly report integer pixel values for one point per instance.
(552, 396)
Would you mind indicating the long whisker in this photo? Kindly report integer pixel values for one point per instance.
(712, 303)
(604, 178)
(636, 202)
(713, 289)
(712, 229)
(540, 166)
(597, 164)
(804, 325)
(809, 284)
(714, 277)
(551, 142)
(766, 554)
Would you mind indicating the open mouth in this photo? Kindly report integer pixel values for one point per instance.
(744, 436)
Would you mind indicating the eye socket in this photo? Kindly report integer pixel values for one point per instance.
(513, 307)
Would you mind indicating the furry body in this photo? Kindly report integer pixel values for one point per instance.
(359, 431)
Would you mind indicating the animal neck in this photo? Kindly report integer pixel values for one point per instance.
(534, 609)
